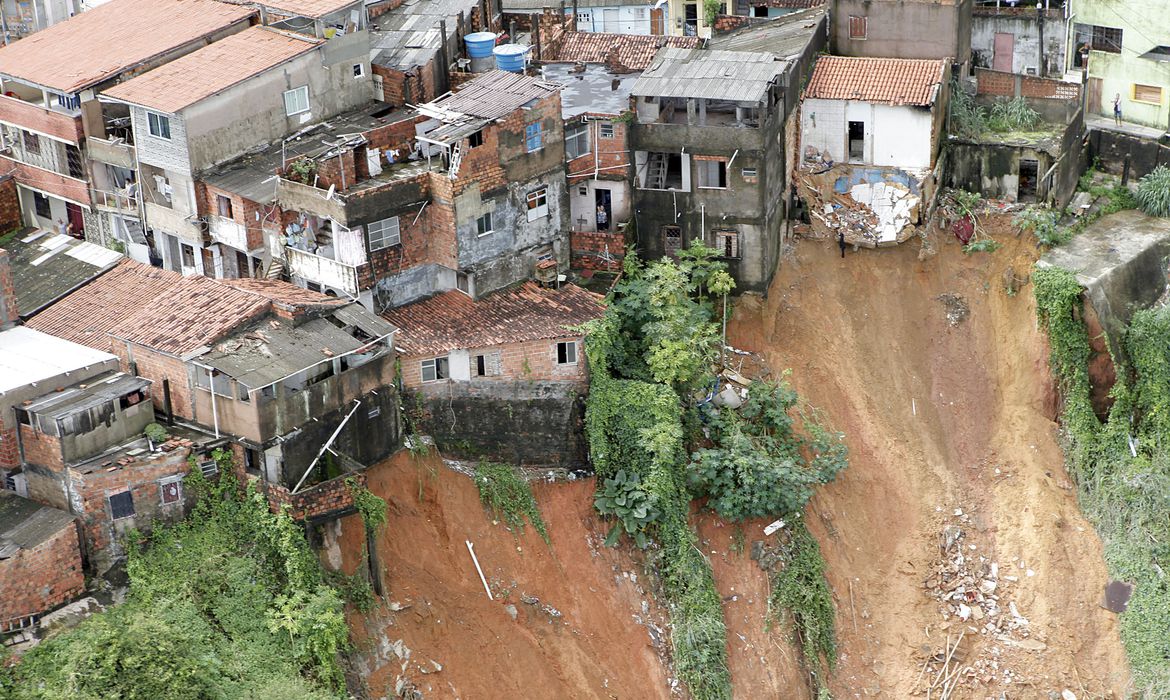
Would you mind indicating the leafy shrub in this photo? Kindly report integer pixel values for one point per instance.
(623, 497)
(1153, 192)
(1042, 223)
(800, 589)
(967, 119)
(1012, 115)
(507, 494)
(155, 432)
(983, 245)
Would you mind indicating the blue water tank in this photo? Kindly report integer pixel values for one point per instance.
(510, 57)
(479, 44)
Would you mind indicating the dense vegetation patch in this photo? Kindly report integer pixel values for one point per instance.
(655, 449)
(1121, 466)
(230, 603)
(505, 491)
(1153, 192)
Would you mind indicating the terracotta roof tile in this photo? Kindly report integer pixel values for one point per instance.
(635, 51)
(452, 320)
(891, 81)
(165, 311)
(86, 315)
(307, 8)
(212, 69)
(101, 43)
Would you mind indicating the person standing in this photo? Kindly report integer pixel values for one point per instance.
(1117, 109)
(602, 218)
(841, 242)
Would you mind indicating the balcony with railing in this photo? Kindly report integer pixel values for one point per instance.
(123, 202)
(321, 270)
(115, 151)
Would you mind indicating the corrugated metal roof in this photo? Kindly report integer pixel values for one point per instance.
(495, 94)
(409, 36)
(738, 76)
(86, 395)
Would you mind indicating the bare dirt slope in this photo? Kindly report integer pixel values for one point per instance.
(941, 415)
(568, 620)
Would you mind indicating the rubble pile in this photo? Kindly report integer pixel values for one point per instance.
(868, 213)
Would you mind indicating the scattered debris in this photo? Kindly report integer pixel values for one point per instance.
(956, 307)
(1117, 594)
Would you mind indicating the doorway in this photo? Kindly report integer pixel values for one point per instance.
(1005, 46)
(1029, 174)
(856, 141)
(602, 203)
(657, 21)
(76, 220)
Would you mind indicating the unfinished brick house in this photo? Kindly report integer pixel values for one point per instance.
(871, 131)
(272, 368)
(387, 206)
(598, 72)
(213, 105)
(505, 373)
(40, 561)
(73, 157)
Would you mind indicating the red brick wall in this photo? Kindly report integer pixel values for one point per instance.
(9, 454)
(36, 118)
(9, 205)
(156, 367)
(47, 181)
(1047, 88)
(41, 449)
(727, 23)
(589, 249)
(243, 211)
(37, 580)
(415, 86)
(612, 155)
(321, 499)
(534, 360)
(990, 82)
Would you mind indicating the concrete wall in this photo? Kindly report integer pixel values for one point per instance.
(532, 423)
(1143, 24)
(1114, 151)
(900, 137)
(1025, 25)
(904, 29)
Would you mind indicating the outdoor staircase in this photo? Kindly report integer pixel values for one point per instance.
(656, 172)
(456, 159)
(275, 269)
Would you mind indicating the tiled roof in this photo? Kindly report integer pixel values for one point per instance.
(165, 311)
(101, 43)
(495, 94)
(86, 315)
(635, 51)
(212, 69)
(891, 81)
(452, 320)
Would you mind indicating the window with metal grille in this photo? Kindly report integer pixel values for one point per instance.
(1151, 94)
(605, 130)
(41, 205)
(32, 142)
(567, 353)
(159, 125)
(435, 369)
(121, 505)
(857, 27)
(534, 137)
(1106, 39)
(576, 141)
(727, 243)
(296, 100)
(747, 173)
(384, 233)
(170, 491)
(537, 204)
(73, 162)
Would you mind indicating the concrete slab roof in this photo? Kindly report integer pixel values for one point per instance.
(28, 356)
(24, 524)
(593, 90)
(46, 266)
(1109, 243)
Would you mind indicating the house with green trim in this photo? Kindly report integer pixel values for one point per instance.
(1125, 47)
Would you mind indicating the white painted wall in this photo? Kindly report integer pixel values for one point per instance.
(459, 362)
(614, 19)
(894, 136)
(584, 206)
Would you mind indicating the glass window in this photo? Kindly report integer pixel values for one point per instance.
(435, 369)
(537, 204)
(42, 206)
(605, 130)
(533, 137)
(384, 233)
(358, 70)
(1106, 39)
(296, 100)
(476, 139)
(567, 353)
(576, 141)
(188, 255)
(727, 243)
(483, 225)
(159, 125)
(712, 173)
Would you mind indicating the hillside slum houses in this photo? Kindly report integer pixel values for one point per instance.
(266, 230)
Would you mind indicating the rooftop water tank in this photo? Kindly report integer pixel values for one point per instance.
(510, 57)
(479, 44)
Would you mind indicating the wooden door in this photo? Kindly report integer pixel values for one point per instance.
(1093, 97)
(1005, 45)
(657, 21)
